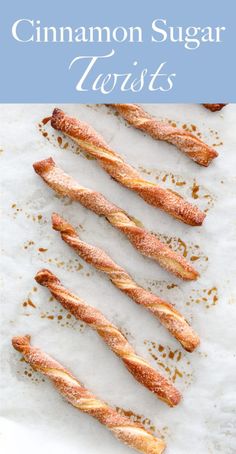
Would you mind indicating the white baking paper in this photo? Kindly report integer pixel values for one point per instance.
(34, 418)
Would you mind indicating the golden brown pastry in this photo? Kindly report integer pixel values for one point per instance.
(129, 432)
(143, 372)
(194, 148)
(145, 242)
(214, 107)
(165, 312)
(90, 141)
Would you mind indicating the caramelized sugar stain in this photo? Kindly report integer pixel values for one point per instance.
(146, 422)
(170, 286)
(161, 287)
(69, 265)
(175, 363)
(28, 244)
(56, 314)
(63, 318)
(199, 192)
(29, 372)
(141, 419)
(32, 216)
(192, 188)
(29, 302)
(195, 190)
(189, 250)
(193, 129)
(207, 297)
(72, 265)
(50, 134)
(216, 136)
(16, 209)
(59, 139)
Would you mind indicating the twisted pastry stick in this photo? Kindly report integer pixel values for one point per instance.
(194, 148)
(214, 107)
(136, 365)
(143, 241)
(129, 432)
(165, 312)
(90, 141)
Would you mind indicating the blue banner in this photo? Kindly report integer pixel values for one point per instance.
(124, 51)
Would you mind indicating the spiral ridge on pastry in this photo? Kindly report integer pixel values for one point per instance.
(145, 242)
(191, 145)
(164, 311)
(90, 141)
(141, 370)
(129, 432)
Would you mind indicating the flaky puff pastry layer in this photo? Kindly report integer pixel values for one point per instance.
(90, 141)
(145, 242)
(131, 433)
(164, 311)
(141, 370)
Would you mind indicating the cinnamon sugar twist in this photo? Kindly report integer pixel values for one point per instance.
(129, 432)
(164, 311)
(90, 141)
(143, 372)
(194, 148)
(214, 107)
(145, 242)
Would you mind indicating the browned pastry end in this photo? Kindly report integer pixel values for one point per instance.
(145, 242)
(194, 148)
(90, 141)
(141, 370)
(214, 107)
(164, 311)
(129, 432)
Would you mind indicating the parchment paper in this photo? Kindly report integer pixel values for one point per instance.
(34, 418)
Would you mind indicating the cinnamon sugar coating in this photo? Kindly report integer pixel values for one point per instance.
(141, 370)
(191, 145)
(90, 141)
(164, 311)
(145, 242)
(131, 433)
